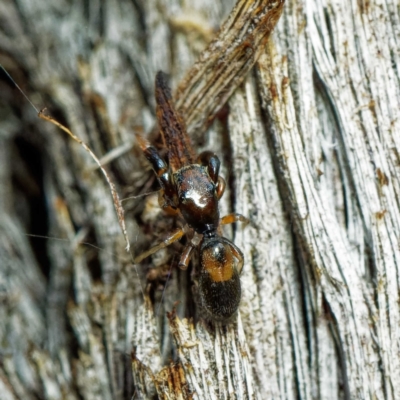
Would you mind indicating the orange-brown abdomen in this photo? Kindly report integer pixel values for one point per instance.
(219, 289)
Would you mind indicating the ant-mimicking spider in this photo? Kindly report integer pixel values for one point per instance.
(191, 187)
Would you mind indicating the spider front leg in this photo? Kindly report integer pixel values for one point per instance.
(168, 199)
(173, 237)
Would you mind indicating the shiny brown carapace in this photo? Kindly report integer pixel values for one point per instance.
(191, 188)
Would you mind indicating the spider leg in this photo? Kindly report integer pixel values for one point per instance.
(173, 237)
(187, 251)
(234, 217)
(163, 172)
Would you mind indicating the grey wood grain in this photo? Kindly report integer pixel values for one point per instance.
(310, 152)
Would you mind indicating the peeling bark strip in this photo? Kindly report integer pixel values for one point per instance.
(226, 61)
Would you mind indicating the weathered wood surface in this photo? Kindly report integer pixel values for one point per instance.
(310, 147)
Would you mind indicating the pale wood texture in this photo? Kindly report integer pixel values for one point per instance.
(310, 149)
